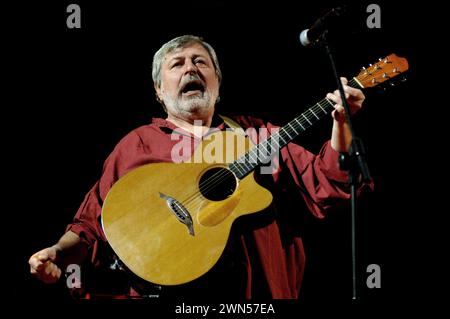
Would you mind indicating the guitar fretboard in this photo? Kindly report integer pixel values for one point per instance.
(263, 152)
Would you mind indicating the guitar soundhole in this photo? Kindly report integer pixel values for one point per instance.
(217, 184)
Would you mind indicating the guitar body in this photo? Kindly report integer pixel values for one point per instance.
(169, 223)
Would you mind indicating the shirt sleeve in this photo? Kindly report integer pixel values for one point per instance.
(127, 155)
(318, 177)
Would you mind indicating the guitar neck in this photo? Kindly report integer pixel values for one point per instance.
(263, 152)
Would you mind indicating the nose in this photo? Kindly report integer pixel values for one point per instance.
(190, 67)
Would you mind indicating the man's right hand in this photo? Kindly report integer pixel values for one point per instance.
(43, 267)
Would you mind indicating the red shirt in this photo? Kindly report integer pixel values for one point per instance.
(265, 255)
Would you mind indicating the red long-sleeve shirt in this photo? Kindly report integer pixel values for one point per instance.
(265, 255)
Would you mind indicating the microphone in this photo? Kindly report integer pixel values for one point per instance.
(309, 36)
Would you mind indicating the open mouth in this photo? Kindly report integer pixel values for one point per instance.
(193, 87)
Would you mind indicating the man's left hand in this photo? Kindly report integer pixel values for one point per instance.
(355, 99)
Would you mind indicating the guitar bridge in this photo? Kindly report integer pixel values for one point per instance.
(180, 212)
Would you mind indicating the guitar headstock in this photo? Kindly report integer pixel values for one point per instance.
(382, 71)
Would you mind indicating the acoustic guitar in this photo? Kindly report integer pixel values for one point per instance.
(169, 223)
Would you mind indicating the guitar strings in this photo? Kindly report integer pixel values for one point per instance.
(302, 123)
(213, 181)
(216, 179)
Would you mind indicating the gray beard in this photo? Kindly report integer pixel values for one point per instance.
(198, 105)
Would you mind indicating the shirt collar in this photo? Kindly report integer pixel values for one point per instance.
(169, 127)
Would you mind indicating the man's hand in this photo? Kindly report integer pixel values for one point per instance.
(43, 267)
(340, 136)
(354, 97)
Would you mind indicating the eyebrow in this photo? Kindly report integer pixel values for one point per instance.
(180, 57)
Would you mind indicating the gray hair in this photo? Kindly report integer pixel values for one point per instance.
(177, 43)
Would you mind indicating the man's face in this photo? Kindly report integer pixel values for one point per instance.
(189, 84)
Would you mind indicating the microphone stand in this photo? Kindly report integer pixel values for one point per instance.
(354, 161)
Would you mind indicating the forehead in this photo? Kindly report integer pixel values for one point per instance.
(193, 49)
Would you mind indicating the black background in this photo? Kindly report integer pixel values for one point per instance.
(73, 93)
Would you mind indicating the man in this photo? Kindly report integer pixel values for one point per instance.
(264, 256)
